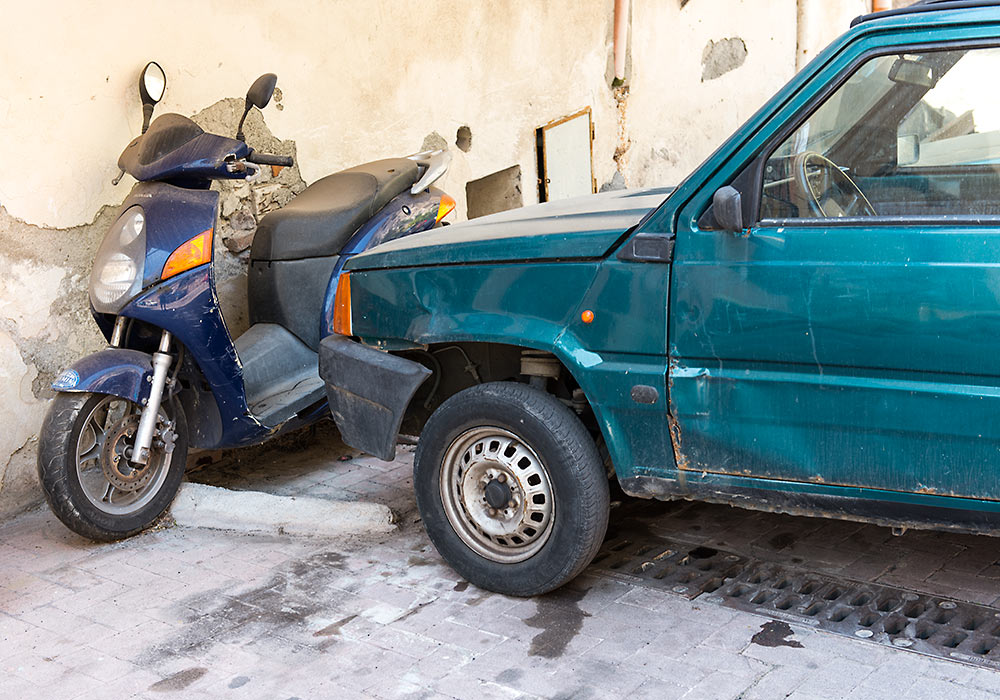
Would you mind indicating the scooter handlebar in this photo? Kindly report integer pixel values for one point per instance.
(269, 159)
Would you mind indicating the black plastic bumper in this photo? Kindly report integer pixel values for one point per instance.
(368, 391)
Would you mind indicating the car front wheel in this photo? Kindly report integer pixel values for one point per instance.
(511, 488)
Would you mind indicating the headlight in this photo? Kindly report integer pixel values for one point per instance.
(118, 267)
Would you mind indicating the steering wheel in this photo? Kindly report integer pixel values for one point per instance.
(828, 191)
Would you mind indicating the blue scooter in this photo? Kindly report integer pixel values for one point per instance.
(114, 443)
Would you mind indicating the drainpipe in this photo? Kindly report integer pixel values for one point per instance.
(801, 33)
(621, 39)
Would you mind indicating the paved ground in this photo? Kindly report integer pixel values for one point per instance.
(197, 613)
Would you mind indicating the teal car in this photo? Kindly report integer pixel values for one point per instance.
(808, 324)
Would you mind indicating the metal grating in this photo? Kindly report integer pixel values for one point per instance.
(917, 622)
(679, 568)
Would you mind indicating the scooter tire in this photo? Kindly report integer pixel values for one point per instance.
(61, 483)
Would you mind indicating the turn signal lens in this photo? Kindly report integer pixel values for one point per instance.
(193, 253)
(446, 206)
(342, 306)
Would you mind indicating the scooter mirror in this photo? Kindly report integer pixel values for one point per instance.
(152, 83)
(260, 92)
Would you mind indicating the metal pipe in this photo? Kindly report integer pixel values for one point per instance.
(800, 33)
(117, 332)
(621, 37)
(151, 412)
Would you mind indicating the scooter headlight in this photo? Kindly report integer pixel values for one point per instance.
(118, 267)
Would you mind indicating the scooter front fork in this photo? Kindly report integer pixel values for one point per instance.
(151, 412)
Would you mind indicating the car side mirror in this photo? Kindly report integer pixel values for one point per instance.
(152, 84)
(727, 207)
(258, 96)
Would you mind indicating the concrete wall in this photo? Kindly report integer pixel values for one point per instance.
(358, 80)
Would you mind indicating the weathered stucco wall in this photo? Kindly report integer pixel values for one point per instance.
(359, 80)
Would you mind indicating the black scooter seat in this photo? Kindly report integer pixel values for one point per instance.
(319, 221)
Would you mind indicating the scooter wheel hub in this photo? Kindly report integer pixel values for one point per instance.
(118, 469)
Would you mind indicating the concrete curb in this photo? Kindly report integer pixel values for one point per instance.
(200, 505)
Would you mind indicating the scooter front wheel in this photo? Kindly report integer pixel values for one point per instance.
(86, 472)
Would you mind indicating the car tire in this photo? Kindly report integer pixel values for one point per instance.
(511, 488)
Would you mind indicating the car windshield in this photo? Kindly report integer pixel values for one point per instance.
(845, 108)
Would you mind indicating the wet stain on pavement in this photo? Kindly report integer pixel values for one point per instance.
(560, 618)
(775, 634)
(239, 681)
(179, 680)
(334, 628)
(281, 606)
(418, 561)
(509, 675)
(461, 586)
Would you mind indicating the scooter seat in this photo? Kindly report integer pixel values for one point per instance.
(319, 221)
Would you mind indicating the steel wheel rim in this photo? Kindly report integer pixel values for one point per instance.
(102, 419)
(473, 461)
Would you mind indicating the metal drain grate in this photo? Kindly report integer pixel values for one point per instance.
(676, 567)
(886, 615)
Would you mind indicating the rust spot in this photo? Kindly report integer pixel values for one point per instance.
(675, 441)
(674, 427)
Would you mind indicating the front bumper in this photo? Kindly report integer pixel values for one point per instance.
(368, 392)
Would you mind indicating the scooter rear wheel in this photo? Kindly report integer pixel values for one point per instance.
(85, 471)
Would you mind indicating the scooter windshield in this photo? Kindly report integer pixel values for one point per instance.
(174, 147)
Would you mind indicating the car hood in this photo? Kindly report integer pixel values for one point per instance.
(582, 227)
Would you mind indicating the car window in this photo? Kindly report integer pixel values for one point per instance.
(911, 134)
(958, 121)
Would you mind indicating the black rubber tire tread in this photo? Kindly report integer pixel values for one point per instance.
(579, 485)
(57, 473)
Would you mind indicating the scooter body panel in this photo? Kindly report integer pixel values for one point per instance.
(174, 215)
(404, 215)
(188, 307)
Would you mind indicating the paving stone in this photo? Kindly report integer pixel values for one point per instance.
(931, 689)
(720, 685)
(462, 686)
(836, 676)
(652, 661)
(733, 636)
(657, 689)
(475, 640)
(776, 682)
(445, 660)
(40, 671)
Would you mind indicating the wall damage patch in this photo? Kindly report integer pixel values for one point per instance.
(720, 57)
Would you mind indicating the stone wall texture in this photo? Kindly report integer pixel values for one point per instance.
(358, 80)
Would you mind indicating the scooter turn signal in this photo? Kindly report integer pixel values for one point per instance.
(189, 254)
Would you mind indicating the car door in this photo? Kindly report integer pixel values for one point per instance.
(851, 335)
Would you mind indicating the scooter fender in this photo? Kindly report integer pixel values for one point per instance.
(115, 371)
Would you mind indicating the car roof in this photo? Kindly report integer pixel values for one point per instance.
(924, 6)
